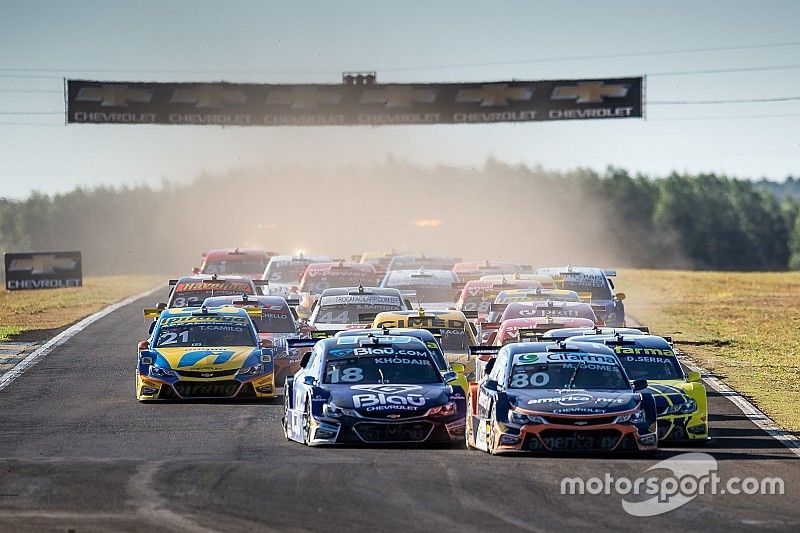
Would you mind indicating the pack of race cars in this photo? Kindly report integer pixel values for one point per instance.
(404, 348)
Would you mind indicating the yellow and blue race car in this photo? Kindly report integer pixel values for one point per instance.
(681, 402)
(203, 352)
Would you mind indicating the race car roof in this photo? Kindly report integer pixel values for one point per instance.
(214, 278)
(247, 299)
(232, 253)
(644, 342)
(422, 276)
(373, 340)
(298, 258)
(342, 265)
(487, 265)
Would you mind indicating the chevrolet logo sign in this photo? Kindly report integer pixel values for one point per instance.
(303, 97)
(494, 95)
(589, 92)
(208, 96)
(42, 264)
(397, 96)
(113, 95)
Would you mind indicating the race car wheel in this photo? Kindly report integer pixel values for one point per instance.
(285, 420)
(490, 430)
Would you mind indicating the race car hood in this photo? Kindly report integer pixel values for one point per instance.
(573, 401)
(668, 393)
(208, 359)
(390, 400)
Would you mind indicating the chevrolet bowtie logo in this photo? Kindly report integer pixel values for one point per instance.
(113, 95)
(208, 96)
(497, 94)
(42, 264)
(397, 96)
(303, 97)
(589, 92)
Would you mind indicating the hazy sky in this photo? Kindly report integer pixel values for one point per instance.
(314, 42)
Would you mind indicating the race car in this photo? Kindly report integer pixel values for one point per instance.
(245, 262)
(535, 309)
(275, 326)
(284, 272)
(321, 276)
(521, 329)
(432, 289)
(415, 262)
(607, 306)
(471, 271)
(506, 297)
(681, 402)
(352, 307)
(381, 389)
(544, 280)
(207, 352)
(559, 397)
(432, 342)
(191, 291)
(456, 332)
(477, 296)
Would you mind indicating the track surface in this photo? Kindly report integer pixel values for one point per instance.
(78, 452)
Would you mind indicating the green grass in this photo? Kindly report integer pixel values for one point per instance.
(45, 310)
(743, 327)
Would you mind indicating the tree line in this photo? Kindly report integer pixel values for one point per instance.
(702, 221)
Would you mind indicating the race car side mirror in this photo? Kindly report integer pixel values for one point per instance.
(309, 380)
(693, 377)
(449, 377)
(143, 345)
(639, 384)
(620, 296)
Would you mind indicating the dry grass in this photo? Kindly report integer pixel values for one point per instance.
(43, 310)
(741, 326)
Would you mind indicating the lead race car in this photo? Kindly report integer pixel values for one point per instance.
(559, 397)
(372, 390)
(203, 352)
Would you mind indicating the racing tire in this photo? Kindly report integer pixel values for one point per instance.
(285, 420)
(307, 423)
(490, 431)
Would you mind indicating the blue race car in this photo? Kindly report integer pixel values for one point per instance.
(372, 390)
(607, 305)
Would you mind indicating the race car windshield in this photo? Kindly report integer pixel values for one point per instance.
(348, 313)
(596, 285)
(348, 278)
(286, 271)
(413, 367)
(250, 266)
(234, 333)
(274, 321)
(454, 340)
(554, 311)
(651, 367)
(574, 375)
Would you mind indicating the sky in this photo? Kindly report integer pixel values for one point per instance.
(285, 42)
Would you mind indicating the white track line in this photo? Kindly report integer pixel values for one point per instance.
(7, 378)
(753, 413)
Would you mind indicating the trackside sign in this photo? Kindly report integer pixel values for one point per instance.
(244, 104)
(43, 270)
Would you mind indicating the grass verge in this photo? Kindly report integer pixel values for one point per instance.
(741, 326)
(27, 313)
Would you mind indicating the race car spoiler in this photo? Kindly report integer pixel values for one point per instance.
(470, 314)
(497, 308)
(301, 343)
(366, 318)
(585, 297)
(535, 334)
(483, 350)
(597, 308)
(490, 326)
(152, 312)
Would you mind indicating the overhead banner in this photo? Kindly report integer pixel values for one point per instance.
(245, 104)
(43, 270)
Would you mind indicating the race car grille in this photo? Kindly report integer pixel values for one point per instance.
(565, 440)
(206, 374)
(406, 432)
(207, 389)
(577, 421)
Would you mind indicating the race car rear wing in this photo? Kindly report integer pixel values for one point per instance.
(483, 350)
(609, 273)
(585, 297)
(260, 282)
(490, 326)
(535, 334)
(470, 315)
(301, 343)
(497, 308)
(152, 312)
(366, 318)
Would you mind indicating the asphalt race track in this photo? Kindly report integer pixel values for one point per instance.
(78, 452)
